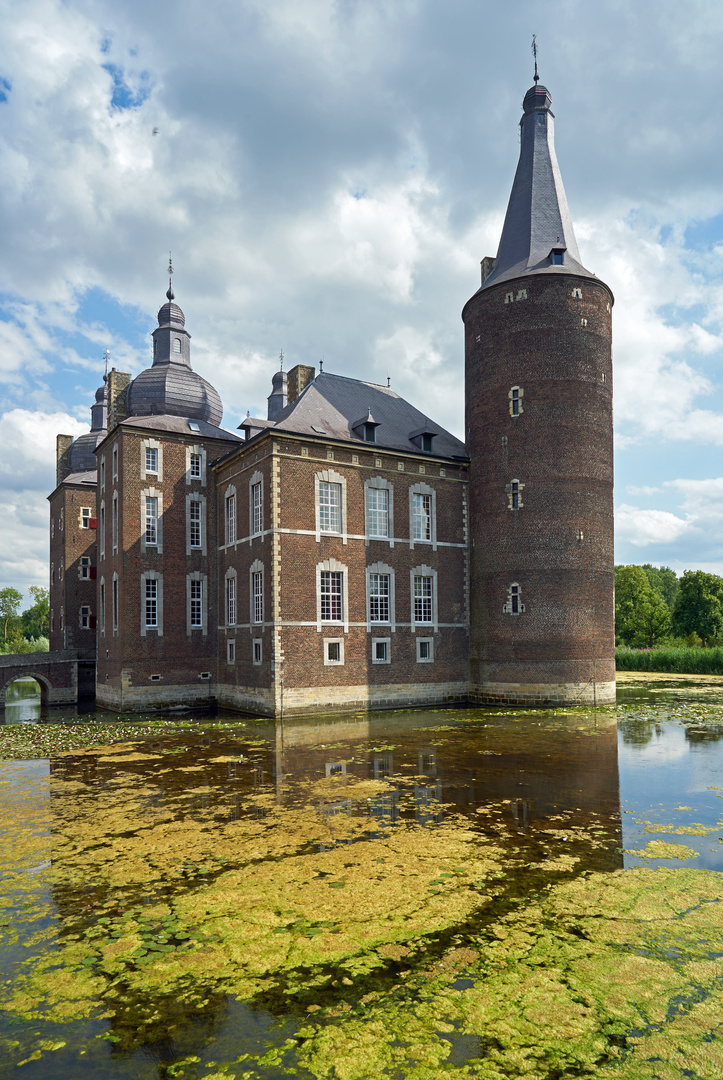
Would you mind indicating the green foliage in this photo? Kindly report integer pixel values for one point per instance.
(36, 619)
(665, 581)
(680, 661)
(19, 644)
(699, 607)
(642, 616)
(10, 600)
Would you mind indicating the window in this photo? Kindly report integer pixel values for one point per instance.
(231, 517)
(421, 517)
(114, 460)
(151, 463)
(377, 501)
(515, 399)
(257, 596)
(333, 652)
(427, 443)
(231, 601)
(195, 524)
(425, 650)
(151, 459)
(514, 495)
(176, 345)
(85, 517)
(231, 651)
(329, 507)
(370, 433)
(151, 522)
(114, 598)
(557, 257)
(257, 508)
(258, 650)
(331, 596)
(61, 520)
(114, 521)
(196, 603)
(101, 602)
(101, 539)
(151, 603)
(84, 567)
(381, 650)
(379, 598)
(84, 617)
(422, 599)
(102, 474)
(195, 467)
(60, 572)
(514, 605)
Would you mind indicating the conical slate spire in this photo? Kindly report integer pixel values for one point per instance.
(537, 236)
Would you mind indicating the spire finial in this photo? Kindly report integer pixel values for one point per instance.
(106, 357)
(281, 360)
(321, 365)
(534, 53)
(170, 294)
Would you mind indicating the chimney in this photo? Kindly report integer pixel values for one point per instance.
(63, 444)
(118, 383)
(299, 378)
(488, 264)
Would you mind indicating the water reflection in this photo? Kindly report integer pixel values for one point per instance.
(22, 702)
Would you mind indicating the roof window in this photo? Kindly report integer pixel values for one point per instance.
(193, 425)
(557, 256)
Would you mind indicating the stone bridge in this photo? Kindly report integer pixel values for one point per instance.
(63, 676)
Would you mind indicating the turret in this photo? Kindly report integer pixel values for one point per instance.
(540, 436)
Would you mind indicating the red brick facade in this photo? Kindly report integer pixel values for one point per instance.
(73, 567)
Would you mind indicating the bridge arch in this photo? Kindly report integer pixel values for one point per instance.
(28, 673)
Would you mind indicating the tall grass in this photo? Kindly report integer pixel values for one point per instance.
(674, 660)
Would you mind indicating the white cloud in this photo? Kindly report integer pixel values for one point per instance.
(633, 490)
(644, 527)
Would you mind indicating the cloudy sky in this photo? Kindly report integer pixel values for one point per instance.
(328, 176)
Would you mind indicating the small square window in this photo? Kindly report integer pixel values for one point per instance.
(378, 463)
(333, 652)
(258, 650)
(400, 466)
(422, 469)
(381, 650)
(355, 459)
(231, 652)
(193, 426)
(330, 455)
(425, 650)
(304, 451)
(442, 472)
(155, 678)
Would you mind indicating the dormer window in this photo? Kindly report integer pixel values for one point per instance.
(370, 433)
(423, 438)
(427, 443)
(176, 345)
(557, 256)
(365, 428)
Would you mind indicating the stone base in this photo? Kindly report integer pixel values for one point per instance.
(321, 700)
(156, 697)
(543, 695)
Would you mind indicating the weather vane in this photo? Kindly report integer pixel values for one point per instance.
(170, 294)
(534, 53)
(281, 360)
(106, 357)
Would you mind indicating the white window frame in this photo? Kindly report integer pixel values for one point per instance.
(152, 493)
(84, 565)
(333, 641)
(515, 487)
(329, 476)
(85, 515)
(157, 576)
(101, 472)
(381, 568)
(230, 533)
(508, 606)
(114, 463)
(429, 641)
(423, 489)
(424, 571)
(114, 524)
(335, 567)
(257, 651)
(198, 499)
(84, 613)
(517, 400)
(152, 444)
(376, 483)
(201, 452)
(101, 530)
(230, 601)
(382, 641)
(257, 567)
(115, 603)
(196, 576)
(230, 650)
(256, 483)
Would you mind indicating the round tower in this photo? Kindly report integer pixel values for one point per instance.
(539, 430)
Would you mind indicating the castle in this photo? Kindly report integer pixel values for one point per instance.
(346, 552)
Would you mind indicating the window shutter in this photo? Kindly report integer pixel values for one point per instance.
(91, 620)
(93, 523)
(93, 572)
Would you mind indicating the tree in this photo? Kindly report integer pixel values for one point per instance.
(665, 581)
(699, 608)
(642, 616)
(10, 600)
(36, 618)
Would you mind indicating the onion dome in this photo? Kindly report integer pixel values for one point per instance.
(170, 387)
(82, 458)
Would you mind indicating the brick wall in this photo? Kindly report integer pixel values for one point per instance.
(70, 543)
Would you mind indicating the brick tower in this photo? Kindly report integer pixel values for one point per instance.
(540, 436)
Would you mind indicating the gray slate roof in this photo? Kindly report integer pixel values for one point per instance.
(89, 477)
(174, 389)
(331, 404)
(179, 426)
(538, 218)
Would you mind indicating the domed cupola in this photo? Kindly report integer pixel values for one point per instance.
(82, 458)
(170, 387)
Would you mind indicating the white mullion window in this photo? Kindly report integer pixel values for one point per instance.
(151, 520)
(378, 512)
(421, 516)
(196, 604)
(257, 593)
(230, 515)
(329, 507)
(379, 593)
(151, 603)
(194, 513)
(231, 600)
(332, 596)
(422, 598)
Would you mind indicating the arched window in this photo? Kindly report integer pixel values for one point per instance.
(176, 345)
(514, 605)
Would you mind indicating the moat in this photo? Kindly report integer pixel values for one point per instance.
(452, 892)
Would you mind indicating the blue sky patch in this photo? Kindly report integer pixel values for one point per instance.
(4, 89)
(124, 97)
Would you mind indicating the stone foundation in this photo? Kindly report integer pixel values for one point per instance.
(543, 695)
(156, 697)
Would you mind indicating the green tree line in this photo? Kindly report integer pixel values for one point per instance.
(653, 606)
(27, 631)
